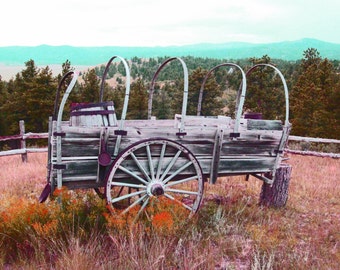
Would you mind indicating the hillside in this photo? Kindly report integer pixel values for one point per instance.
(89, 56)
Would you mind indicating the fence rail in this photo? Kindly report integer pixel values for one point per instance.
(309, 139)
(312, 140)
(26, 136)
(23, 150)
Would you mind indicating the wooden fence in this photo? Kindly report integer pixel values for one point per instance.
(312, 140)
(23, 150)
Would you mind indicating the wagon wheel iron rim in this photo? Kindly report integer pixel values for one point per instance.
(150, 171)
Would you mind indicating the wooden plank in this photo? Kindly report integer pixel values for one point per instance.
(74, 150)
(236, 165)
(264, 124)
(82, 184)
(86, 170)
(259, 147)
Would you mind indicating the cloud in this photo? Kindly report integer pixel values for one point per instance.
(176, 22)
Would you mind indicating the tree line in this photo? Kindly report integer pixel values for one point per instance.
(313, 82)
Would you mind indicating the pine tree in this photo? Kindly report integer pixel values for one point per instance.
(3, 100)
(314, 97)
(138, 101)
(16, 107)
(40, 100)
(212, 94)
(162, 105)
(90, 88)
(31, 99)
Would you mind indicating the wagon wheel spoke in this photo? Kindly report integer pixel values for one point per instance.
(141, 168)
(122, 185)
(142, 208)
(179, 202)
(127, 196)
(133, 175)
(182, 191)
(185, 194)
(160, 163)
(152, 170)
(155, 168)
(135, 203)
(181, 181)
(177, 172)
(170, 165)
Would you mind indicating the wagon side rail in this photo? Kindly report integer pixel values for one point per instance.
(185, 92)
(243, 87)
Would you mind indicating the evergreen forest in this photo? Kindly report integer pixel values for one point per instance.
(313, 83)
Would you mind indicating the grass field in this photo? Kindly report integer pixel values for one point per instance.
(230, 231)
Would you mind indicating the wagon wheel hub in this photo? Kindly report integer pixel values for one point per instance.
(157, 189)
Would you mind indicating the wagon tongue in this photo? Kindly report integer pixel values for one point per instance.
(45, 193)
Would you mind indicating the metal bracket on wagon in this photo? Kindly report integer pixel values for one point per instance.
(120, 132)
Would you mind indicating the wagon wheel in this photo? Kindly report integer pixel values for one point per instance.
(151, 171)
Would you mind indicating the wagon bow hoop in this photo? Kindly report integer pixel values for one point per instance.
(127, 86)
(55, 110)
(243, 87)
(185, 92)
(65, 96)
(287, 125)
(284, 86)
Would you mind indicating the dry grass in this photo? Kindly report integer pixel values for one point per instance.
(230, 231)
(22, 179)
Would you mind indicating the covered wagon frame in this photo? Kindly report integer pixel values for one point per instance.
(131, 162)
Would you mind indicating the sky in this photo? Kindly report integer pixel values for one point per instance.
(165, 23)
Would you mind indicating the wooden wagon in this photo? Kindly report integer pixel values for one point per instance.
(129, 162)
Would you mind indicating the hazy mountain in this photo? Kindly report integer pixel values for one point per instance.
(89, 56)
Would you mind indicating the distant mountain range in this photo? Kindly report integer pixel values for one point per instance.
(90, 56)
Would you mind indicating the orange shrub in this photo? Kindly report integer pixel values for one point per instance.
(163, 222)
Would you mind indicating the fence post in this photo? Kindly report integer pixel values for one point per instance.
(23, 140)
